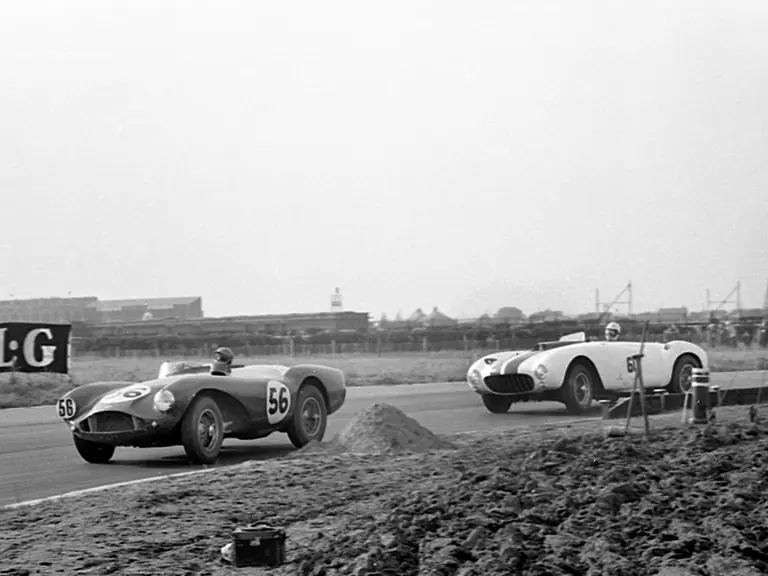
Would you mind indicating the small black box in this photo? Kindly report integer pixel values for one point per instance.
(258, 545)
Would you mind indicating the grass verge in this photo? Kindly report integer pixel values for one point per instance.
(554, 500)
(362, 370)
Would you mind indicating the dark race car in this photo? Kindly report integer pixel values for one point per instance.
(193, 405)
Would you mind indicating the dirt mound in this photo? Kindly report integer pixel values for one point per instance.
(616, 507)
(568, 502)
(384, 428)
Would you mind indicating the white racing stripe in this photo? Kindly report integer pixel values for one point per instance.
(104, 487)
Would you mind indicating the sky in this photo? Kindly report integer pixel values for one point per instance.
(461, 154)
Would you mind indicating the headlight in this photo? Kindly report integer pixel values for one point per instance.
(475, 379)
(540, 372)
(163, 401)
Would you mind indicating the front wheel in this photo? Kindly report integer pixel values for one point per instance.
(202, 430)
(497, 404)
(310, 417)
(94, 452)
(682, 374)
(578, 390)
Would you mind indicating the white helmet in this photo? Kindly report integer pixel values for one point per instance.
(612, 331)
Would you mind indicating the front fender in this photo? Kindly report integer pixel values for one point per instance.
(557, 361)
(87, 396)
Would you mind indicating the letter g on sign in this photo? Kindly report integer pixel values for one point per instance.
(30, 342)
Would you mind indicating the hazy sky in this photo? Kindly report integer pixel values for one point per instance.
(468, 155)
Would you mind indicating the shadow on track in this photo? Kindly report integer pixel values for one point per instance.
(229, 455)
(556, 412)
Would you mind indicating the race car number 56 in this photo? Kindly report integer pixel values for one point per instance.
(66, 408)
(278, 401)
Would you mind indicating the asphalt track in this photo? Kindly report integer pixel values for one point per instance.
(38, 459)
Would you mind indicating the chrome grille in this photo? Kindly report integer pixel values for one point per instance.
(510, 384)
(110, 422)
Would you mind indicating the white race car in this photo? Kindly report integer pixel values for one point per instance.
(575, 371)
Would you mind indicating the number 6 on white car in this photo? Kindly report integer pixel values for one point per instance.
(278, 401)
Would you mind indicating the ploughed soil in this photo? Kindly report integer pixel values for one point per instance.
(397, 500)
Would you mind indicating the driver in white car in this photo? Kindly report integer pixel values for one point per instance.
(612, 332)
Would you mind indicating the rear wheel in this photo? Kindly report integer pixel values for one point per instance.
(310, 417)
(682, 373)
(94, 452)
(497, 404)
(578, 390)
(202, 430)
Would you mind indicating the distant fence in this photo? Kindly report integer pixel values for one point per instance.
(425, 345)
(467, 339)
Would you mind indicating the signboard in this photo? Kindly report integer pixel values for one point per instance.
(34, 347)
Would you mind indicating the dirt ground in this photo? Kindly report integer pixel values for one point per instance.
(565, 500)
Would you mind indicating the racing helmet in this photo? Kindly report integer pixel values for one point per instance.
(612, 331)
(224, 354)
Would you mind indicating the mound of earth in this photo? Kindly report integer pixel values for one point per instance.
(691, 504)
(383, 428)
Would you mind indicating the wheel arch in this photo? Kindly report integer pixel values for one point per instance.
(702, 362)
(583, 360)
(320, 386)
(232, 410)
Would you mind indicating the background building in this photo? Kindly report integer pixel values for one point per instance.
(92, 310)
(55, 310)
(277, 324)
(188, 308)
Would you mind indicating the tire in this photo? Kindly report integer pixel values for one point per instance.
(578, 390)
(310, 417)
(94, 452)
(683, 366)
(202, 430)
(497, 404)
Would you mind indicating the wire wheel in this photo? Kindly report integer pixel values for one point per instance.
(578, 390)
(202, 430)
(311, 416)
(582, 389)
(684, 380)
(682, 375)
(207, 430)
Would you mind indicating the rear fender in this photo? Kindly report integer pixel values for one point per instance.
(300, 372)
(673, 350)
(330, 381)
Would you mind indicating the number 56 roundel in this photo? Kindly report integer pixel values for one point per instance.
(278, 401)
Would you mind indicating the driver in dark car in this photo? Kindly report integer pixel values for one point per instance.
(222, 361)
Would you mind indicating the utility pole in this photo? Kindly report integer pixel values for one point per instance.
(734, 297)
(608, 306)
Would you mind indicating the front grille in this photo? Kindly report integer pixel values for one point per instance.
(110, 422)
(510, 384)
